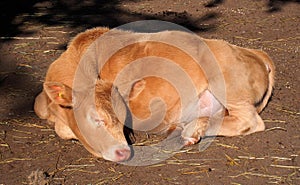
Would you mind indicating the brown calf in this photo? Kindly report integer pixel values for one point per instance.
(247, 75)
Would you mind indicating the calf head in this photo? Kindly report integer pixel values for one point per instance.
(91, 117)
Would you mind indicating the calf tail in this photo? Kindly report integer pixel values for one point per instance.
(270, 67)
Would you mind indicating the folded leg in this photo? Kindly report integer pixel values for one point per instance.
(241, 120)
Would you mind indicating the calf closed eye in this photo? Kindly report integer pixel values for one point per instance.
(99, 122)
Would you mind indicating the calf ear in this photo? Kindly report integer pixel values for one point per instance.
(59, 93)
(137, 88)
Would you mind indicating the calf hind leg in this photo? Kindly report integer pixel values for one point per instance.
(239, 122)
(242, 121)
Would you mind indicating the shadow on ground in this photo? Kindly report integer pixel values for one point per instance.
(84, 13)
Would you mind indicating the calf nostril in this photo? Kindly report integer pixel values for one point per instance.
(122, 154)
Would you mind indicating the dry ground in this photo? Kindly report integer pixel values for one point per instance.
(34, 33)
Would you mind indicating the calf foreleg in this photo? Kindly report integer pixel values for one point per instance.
(41, 105)
(194, 130)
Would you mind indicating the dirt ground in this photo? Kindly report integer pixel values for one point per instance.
(34, 33)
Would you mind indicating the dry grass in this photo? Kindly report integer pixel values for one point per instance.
(10, 160)
(196, 167)
(271, 179)
(37, 178)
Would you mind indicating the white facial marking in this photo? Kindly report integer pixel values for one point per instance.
(94, 118)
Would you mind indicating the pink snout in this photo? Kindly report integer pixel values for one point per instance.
(122, 154)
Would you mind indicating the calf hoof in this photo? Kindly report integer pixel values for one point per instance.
(187, 141)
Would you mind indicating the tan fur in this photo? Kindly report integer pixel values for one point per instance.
(104, 106)
(71, 57)
(249, 77)
(63, 70)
